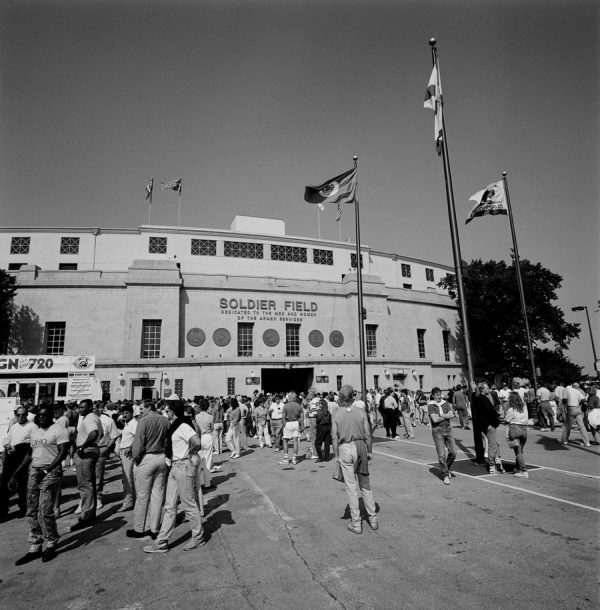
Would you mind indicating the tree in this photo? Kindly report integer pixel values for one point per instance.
(496, 326)
(8, 289)
(26, 332)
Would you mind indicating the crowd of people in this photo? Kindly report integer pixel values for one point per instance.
(166, 448)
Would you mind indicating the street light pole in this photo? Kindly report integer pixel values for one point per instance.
(581, 308)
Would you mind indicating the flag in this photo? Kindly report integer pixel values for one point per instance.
(341, 189)
(320, 206)
(433, 101)
(172, 185)
(149, 189)
(491, 200)
(339, 213)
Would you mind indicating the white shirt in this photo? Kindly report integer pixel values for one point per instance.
(19, 433)
(44, 444)
(180, 440)
(128, 433)
(109, 430)
(573, 396)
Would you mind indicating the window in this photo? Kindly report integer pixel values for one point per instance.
(338, 382)
(376, 382)
(405, 270)
(67, 266)
(245, 330)
(407, 286)
(157, 245)
(69, 245)
(55, 338)
(421, 381)
(151, 338)
(15, 266)
(322, 257)
(429, 274)
(204, 247)
(179, 388)
(292, 339)
(291, 254)
(371, 339)
(353, 260)
(230, 386)
(105, 385)
(446, 339)
(240, 249)
(20, 245)
(421, 342)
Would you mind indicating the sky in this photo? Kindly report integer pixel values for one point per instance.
(250, 100)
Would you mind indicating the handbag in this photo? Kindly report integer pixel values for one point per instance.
(337, 472)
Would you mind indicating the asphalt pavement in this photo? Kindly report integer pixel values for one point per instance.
(277, 538)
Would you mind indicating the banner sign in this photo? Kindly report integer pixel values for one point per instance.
(83, 386)
(34, 365)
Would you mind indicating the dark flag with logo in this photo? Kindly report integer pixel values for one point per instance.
(172, 185)
(491, 200)
(341, 189)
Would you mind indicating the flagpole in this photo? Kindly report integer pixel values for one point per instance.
(319, 221)
(179, 208)
(361, 310)
(520, 281)
(454, 231)
(340, 227)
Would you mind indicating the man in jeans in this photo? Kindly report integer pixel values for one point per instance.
(352, 442)
(89, 433)
(440, 414)
(182, 444)
(572, 397)
(49, 447)
(106, 445)
(148, 453)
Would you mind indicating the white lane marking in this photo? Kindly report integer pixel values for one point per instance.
(469, 454)
(494, 482)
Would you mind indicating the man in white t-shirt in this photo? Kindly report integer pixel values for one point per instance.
(49, 447)
(275, 416)
(182, 443)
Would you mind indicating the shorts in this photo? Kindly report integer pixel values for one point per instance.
(291, 430)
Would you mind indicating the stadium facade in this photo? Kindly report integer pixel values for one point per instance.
(192, 311)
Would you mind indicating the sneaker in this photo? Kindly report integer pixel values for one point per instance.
(99, 503)
(446, 480)
(544, 429)
(451, 474)
(276, 449)
(500, 468)
(156, 547)
(194, 543)
(491, 471)
(216, 469)
(78, 509)
(294, 461)
(314, 457)
(373, 523)
(284, 462)
(355, 529)
(234, 456)
(521, 475)
(584, 444)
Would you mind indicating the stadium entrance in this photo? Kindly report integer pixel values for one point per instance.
(287, 380)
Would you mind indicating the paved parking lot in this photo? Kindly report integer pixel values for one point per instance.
(277, 537)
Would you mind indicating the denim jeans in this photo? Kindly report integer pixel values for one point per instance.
(546, 415)
(263, 435)
(218, 437)
(127, 479)
(574, 413)
(11, 463)
(355, 482)
(181, 486)
(42, 490)
(149, 478)
(85, 469)
(100, 468)
(443, 439)
(491, 436)
(463, 416)
(518, 432)
(277, 432)
(407, 422)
